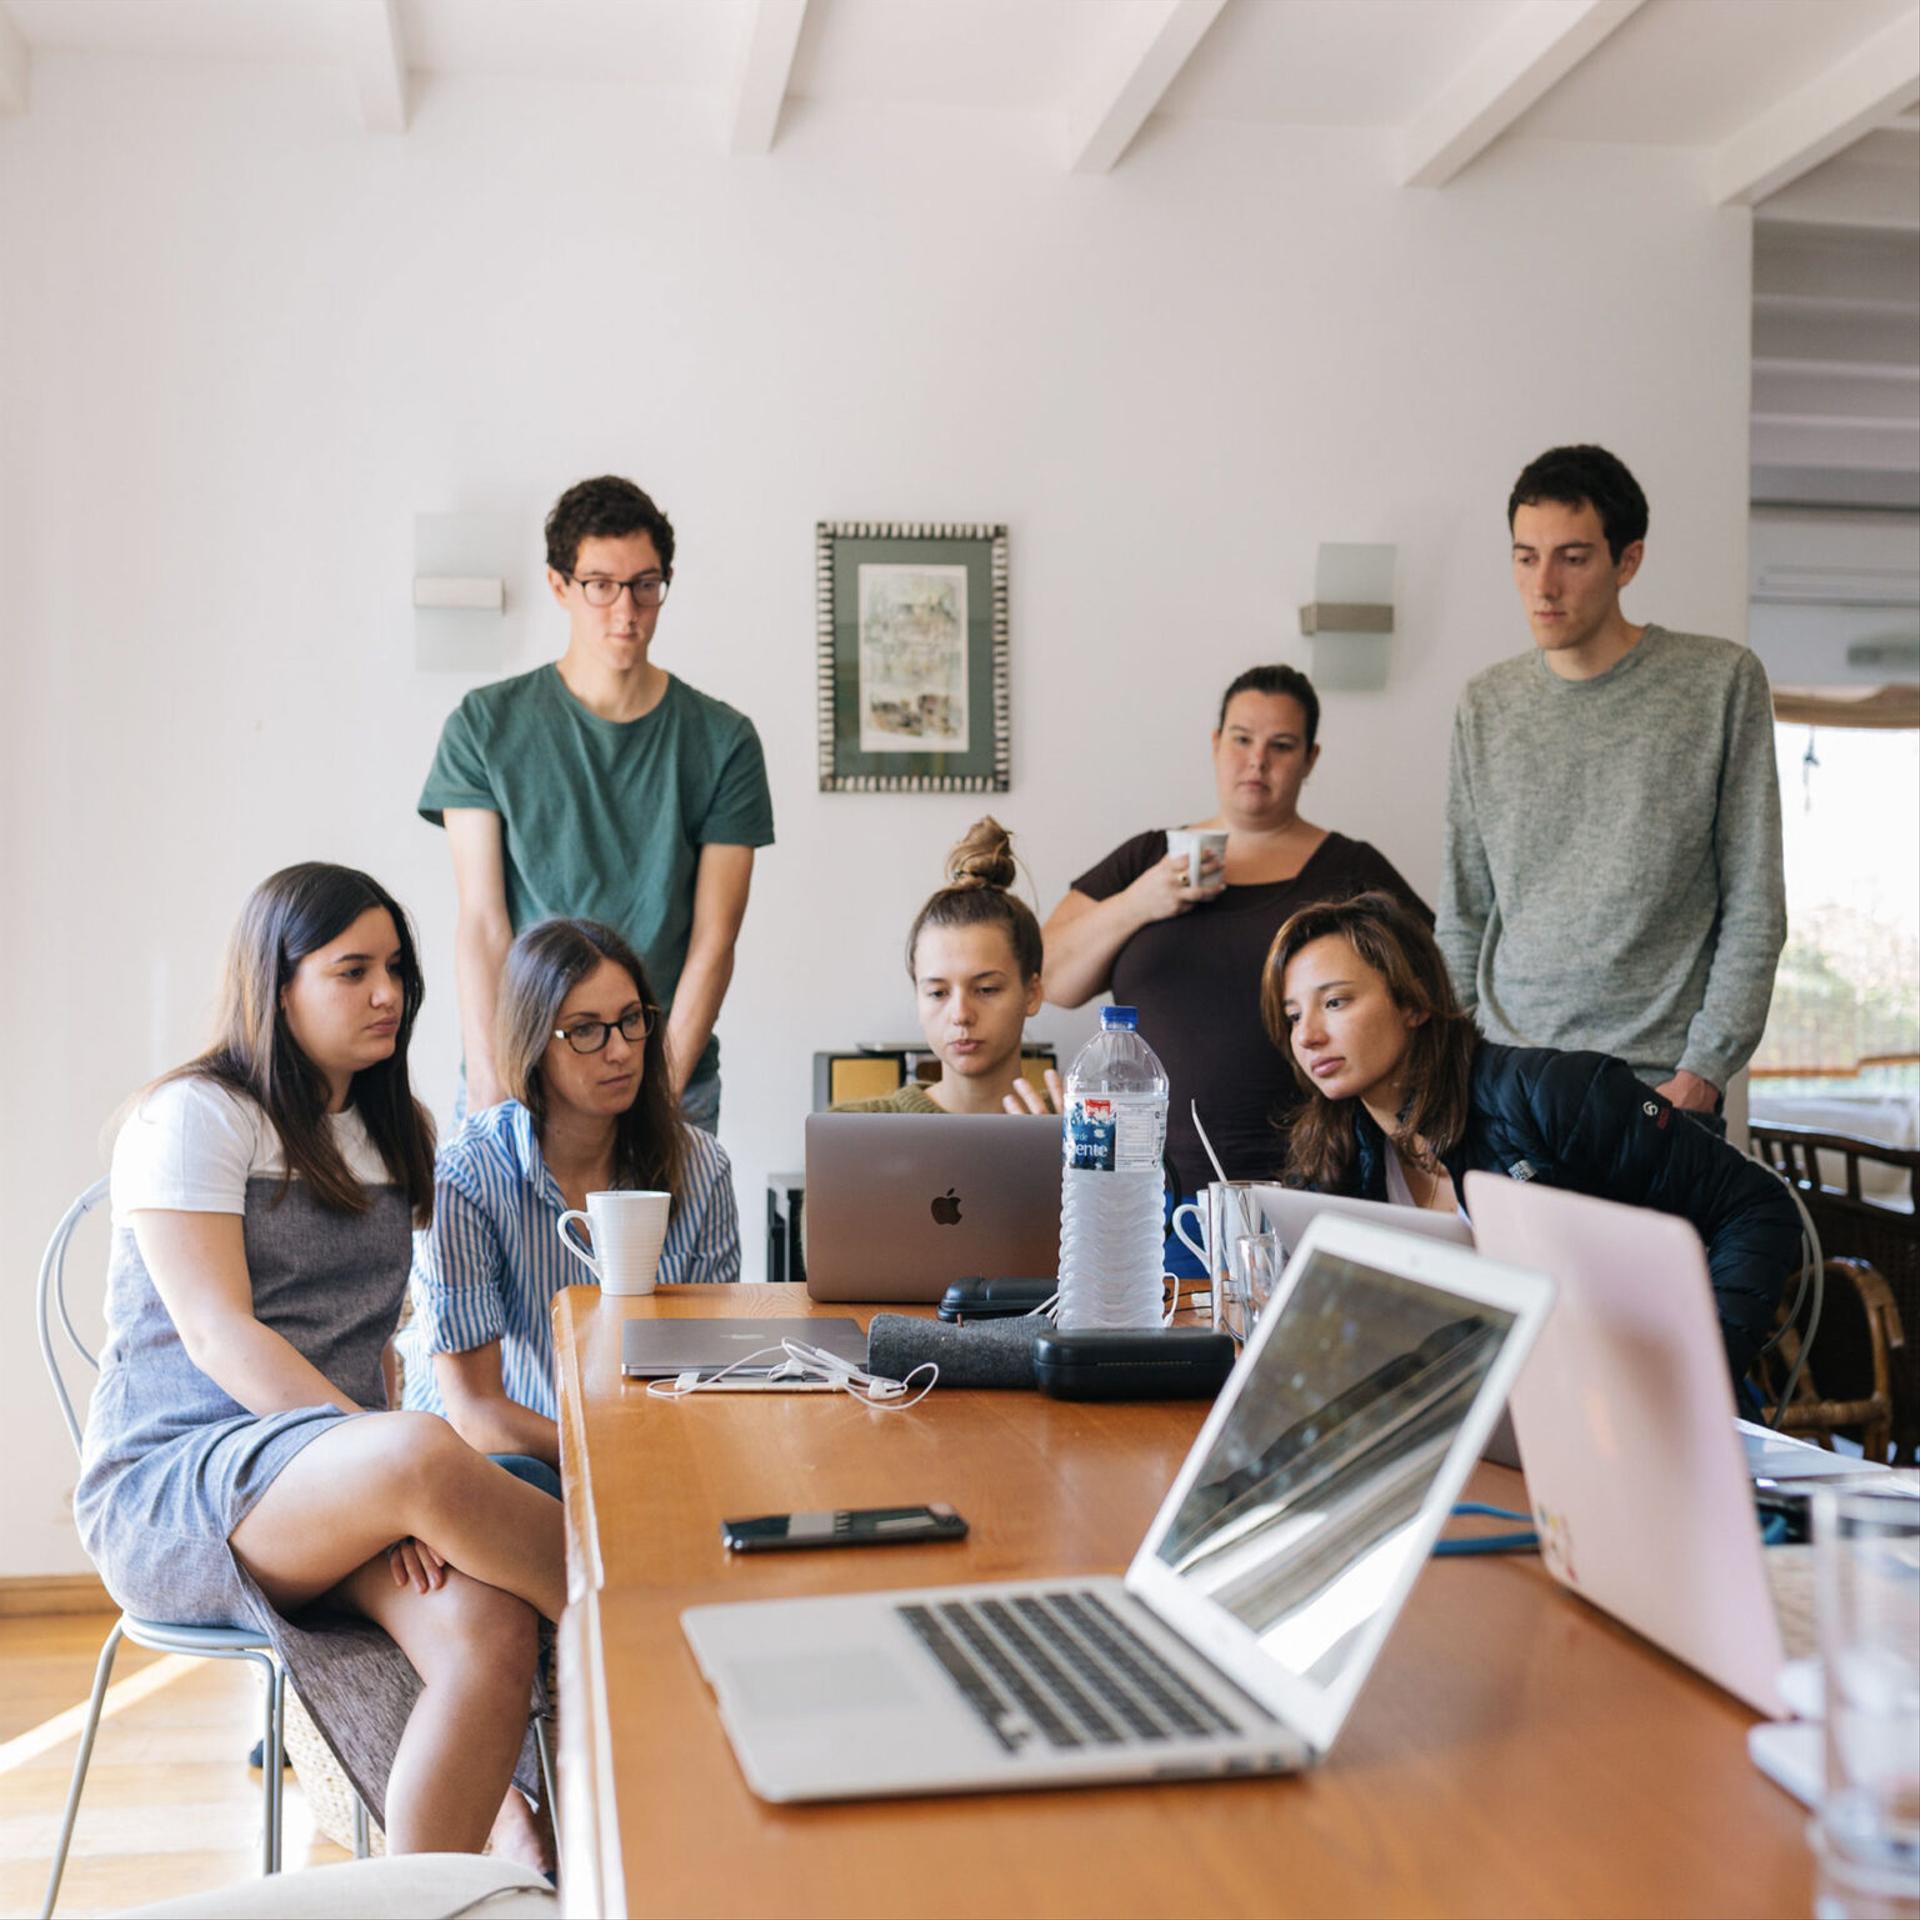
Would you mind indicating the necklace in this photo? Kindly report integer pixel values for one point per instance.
(1431, 1175)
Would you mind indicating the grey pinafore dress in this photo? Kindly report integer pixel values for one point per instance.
(172, 1465)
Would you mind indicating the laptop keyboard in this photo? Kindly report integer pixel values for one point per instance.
(1062, 1668)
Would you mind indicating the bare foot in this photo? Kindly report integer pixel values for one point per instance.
(520, 1834)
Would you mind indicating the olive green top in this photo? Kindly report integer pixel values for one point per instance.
(909, 1097)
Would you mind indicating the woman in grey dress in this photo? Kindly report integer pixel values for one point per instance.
(240, 1468)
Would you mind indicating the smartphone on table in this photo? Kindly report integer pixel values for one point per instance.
(858, 1527)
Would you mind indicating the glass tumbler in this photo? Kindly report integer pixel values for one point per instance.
(1867, 1585)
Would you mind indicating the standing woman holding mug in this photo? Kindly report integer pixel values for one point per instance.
(1190, 958)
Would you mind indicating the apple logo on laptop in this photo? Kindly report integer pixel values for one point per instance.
(946, 1209)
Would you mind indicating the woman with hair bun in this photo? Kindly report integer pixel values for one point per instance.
(974, 957)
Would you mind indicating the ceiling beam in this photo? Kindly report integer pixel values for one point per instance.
(1534, 51)
(1101, 125)
(773, 38)
(1877, 82)
(15, 62)
(377, 58)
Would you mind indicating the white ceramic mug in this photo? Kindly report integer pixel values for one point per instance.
(1196, 843)
(1226, 1211)
(629, 1227)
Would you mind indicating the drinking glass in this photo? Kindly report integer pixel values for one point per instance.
(1254, 1272)
(1867, 1587)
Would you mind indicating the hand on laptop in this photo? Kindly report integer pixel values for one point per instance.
(1027, 1098)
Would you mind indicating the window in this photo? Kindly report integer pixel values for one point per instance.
(1846, 1001)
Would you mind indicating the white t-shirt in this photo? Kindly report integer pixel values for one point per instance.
(191, 1146)
(1400, 1194)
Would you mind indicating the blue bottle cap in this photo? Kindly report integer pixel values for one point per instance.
(1125, 1018)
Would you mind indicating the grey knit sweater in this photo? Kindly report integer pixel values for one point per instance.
(1613, 871)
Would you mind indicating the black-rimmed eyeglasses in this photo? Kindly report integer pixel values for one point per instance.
(590, 1036)
(648, 589)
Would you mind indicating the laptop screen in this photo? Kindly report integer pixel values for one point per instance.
(1300, 1521)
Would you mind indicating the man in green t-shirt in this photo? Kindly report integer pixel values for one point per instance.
(603, 788)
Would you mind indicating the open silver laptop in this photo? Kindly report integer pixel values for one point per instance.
(1625, 1416)
(1253, 1611)
(900, 1205)
(1290, 1210)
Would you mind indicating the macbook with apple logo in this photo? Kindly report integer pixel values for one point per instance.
(900, 1205)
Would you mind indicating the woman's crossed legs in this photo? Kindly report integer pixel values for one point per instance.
(323, 1528)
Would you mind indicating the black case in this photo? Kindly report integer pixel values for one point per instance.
(976, 1299)
(1168, 1363)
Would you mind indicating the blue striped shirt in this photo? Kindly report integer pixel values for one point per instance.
(489, 1266)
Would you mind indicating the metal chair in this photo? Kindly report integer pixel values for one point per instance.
(203, 1643)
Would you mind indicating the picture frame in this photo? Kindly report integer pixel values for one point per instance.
(911, 624)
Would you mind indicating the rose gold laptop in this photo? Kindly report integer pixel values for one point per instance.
(1625, 1414)
(900, 1205)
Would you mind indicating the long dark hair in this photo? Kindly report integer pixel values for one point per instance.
(1439, 1050)
(543, 966)
(980, 869)
(288, 916)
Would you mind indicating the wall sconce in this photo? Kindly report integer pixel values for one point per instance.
(460, 567)
(1350, 619)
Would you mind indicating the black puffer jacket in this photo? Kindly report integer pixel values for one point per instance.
(1583, 1122)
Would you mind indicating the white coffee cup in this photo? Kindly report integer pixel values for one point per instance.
(1196, 843)
(629, 1227)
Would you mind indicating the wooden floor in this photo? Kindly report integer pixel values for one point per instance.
(170, 1807)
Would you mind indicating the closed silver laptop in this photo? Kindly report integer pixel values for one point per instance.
(900, 1205)
(1252, 1613)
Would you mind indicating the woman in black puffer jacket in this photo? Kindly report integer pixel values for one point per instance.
(1405, 1099)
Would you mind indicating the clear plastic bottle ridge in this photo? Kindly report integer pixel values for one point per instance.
(1111, 1184)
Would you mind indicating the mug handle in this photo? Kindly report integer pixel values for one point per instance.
(1196, 1248)
(572, 1245)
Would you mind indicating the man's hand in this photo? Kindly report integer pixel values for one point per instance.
(1689, 1092)
(1026, 1098)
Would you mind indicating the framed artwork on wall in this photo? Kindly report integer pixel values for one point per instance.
(912, 668)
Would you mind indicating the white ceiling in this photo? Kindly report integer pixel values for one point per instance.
(1804, 108)
(1690, 73)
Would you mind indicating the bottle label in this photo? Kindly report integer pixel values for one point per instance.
(1104, 1135)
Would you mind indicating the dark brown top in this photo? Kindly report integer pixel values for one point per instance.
(1196, 980)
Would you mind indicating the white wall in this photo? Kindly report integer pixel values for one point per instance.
(242, 343)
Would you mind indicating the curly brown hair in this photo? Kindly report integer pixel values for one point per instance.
(1398, 947)
(608, 508)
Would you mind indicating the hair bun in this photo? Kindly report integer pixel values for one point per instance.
(983, 857)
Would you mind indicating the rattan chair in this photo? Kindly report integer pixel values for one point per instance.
(1869, 1339)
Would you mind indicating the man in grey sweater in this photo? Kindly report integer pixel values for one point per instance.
(1613, 877)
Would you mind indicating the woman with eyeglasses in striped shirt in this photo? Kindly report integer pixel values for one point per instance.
(581, 1049)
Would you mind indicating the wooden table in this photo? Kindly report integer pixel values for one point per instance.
(1513, 1753)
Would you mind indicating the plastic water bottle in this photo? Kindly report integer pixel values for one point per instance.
(1111, 1186)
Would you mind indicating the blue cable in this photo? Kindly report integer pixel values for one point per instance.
(1528, 1542)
